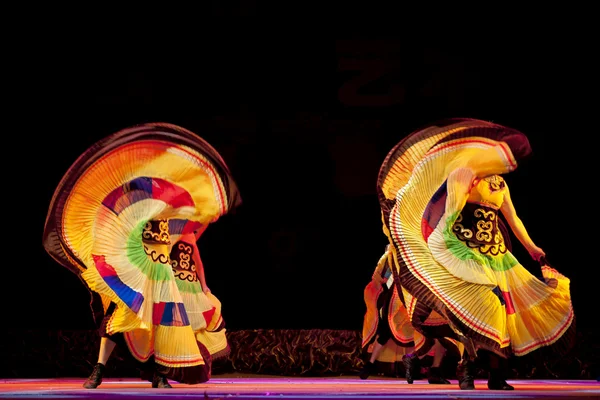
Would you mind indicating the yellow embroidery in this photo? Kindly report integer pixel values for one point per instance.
(496, 182)
(182, 263)
(156, 255)
(484, 228)
(481, 213)
(460, 229)
(162, 236)
(485, 235)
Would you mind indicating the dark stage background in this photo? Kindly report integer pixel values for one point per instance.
(304, 120)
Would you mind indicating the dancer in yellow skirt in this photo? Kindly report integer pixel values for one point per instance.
(124, 218)
(443, 200)
(388, 336)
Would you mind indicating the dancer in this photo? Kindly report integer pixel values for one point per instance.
(201, 306)
(442, 196)
(388, 335)
(123, 218)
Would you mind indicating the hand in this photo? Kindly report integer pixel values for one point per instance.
(205, 289)
(552, 282)
(536, 253)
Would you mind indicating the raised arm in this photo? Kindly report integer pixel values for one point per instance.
(518, 228)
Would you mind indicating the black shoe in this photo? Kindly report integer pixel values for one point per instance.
(367, 369)
(465, 372)
(160, 382)
(497, 381)
(412, 367)
(499, 385)
(434, 377)
(95, 378)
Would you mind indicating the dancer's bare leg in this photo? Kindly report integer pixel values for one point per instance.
(369, 366)
(439, 353)
(377, 347)
(106, 348)
(412, 363)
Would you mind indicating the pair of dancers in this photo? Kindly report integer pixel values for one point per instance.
(446, 210)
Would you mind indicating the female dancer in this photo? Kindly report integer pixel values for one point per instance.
(121, 219)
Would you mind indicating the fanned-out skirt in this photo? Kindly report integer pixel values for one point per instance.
(490, 302)
(109, 222)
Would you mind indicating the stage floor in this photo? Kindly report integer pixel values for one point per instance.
(236, 386)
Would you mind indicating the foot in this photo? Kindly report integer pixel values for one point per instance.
(95, 378)
(466, 375)
(412, 366)
(434, 377)
(497, 379)
(160, 382)
(367, 370)
(499, 384)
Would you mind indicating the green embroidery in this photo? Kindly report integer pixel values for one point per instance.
(500, 262)
(137, 256)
